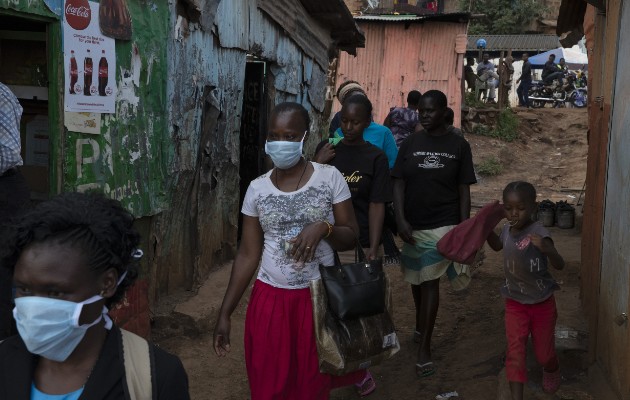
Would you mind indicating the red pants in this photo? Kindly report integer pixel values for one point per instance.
(280, 348)
(521, 320)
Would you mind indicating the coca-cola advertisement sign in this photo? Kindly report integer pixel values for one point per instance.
(78, 14)
(90, 61)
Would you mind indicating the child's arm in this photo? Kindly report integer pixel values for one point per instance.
(495, 242)
(545, 245)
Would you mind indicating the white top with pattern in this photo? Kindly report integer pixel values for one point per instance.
(283, 215)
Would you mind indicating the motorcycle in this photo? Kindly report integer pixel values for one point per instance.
(556, 94)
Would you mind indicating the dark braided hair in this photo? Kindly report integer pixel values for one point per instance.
(97, 226)
(525, 189)
(360, 100)
(292, 107)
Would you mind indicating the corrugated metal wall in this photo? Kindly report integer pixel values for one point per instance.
(204, 95)
(400, 57)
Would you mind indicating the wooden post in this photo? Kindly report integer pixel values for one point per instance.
(501, 94)
(506, 70)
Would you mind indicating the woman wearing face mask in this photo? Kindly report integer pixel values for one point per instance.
(293, 218)
(73, 257)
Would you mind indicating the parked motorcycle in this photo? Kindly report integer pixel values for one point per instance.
(556, 94)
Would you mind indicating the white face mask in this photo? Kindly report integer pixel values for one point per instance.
(285, 154)
(50, 327)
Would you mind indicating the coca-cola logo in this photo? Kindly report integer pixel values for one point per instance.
(78, 14)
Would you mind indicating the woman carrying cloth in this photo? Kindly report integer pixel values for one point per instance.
(432, 179)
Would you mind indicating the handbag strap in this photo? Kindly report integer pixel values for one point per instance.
(359, 254)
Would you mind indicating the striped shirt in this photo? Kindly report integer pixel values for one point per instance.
(10, 114)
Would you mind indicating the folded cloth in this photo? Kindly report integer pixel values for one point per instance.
(462, 243)
(422, 262)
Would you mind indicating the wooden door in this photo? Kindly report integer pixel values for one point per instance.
(613, 340)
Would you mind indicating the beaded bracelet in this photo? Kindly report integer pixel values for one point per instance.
(330, 228)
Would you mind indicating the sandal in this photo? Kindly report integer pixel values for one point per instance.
(366, 386)
(424, 370)
(551, 381)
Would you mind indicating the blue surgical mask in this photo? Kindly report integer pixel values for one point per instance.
(285, 154)
(50, 327)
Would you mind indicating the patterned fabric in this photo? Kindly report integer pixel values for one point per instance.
(283, 215)
(422, 262)
(403, 122)
(10, 114)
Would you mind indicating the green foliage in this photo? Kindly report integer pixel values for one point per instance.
(489, 167)
(506, 128)
(502, 17)
(472, 101)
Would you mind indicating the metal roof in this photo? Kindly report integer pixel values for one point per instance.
(571, 21)
(515, 42)
(335, 15)
(450, 17)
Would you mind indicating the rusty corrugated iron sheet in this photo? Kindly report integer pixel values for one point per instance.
(335, 15)
(399, 58)
(515, 42)
(571, 21)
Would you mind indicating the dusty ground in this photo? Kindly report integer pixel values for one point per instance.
(469, 341)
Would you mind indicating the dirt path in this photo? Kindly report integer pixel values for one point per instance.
(469, 340)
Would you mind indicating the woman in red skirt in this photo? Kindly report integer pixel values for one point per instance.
(293, 218)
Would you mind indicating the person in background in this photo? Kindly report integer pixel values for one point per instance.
(432, 179)
(365, 169)
(379, 135)
(449, 118)
(485, 70)
(530, 306)
(345, 91)
(72, 258)
(403, 120)
(562, 66)
(551, 71)
(525, 82)
(294, 216)
(14, 193)
(469, 74)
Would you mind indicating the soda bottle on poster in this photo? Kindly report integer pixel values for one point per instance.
(114, 19)
(103, 75)
(74, 72)
(87, 74)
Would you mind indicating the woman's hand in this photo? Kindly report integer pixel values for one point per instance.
(222, 336)
(305, 244)
(325, 154)
(405, 232)
(371, 254)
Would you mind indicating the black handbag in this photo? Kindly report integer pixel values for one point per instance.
(355, 290)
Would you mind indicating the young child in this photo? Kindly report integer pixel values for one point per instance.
(530, 306)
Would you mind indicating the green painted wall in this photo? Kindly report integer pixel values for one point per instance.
(129, 160)
(133, 149)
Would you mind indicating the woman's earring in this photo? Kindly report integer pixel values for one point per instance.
(102, 294)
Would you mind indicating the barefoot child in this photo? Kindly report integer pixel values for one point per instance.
(530, 306)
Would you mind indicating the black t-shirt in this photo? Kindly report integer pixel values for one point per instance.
(366, 170)
(526, 72)
(433, 167)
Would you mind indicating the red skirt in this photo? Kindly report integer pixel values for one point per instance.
(280, 348)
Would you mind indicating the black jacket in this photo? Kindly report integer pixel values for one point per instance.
(107, 381)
